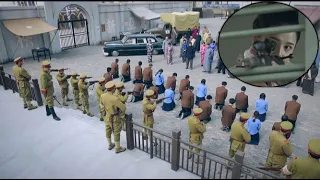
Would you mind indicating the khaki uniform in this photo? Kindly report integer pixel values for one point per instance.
(280, 149)
(107, 76)
(63, 83)
(239, 137)
(171, 82)
(84, 95)
(114, 108)
(122, 98)
(23, 78)
(47, 84)
(241, 101)
(138, 73)
(99, 91)
(228, 116)
(207, 110)
(114, 69)
(184, 84)
(148, 120)
(75, 90)
(196, 129)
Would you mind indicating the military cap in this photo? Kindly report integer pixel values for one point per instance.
(109, 85)
(83, 75)
(120, 84)
(314, 147)
(286, 126)
(74, 74)
(102, 79)
(17, 59)
(150, 92)
(244, 116)
(197, 111)
(45, 63)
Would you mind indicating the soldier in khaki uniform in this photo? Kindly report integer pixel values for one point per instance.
(47, 89)
(147, 76)
(196, 129)
(100, 89)
(276, 125)
(23, 78)
(108, 75)
(62, 79)
(138, 73)
(292, 109)
(280, 147)
(148, 108)
(84, 94)
(122, 98)
(126, 71)
(115, 69)
(75, 89)
(221, 95)
(172, 82)
(305, 168)
(239, 136)
(114, 109)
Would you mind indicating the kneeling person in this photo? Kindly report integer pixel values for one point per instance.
(207, 110)
(187, 100)
(138, 92)
(228, 115)
(168, 103)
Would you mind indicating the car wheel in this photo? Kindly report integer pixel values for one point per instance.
(115, 53)
(155, 52)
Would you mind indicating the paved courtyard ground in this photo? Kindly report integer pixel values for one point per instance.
(90, 60)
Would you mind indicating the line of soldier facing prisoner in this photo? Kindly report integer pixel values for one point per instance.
(113, 110)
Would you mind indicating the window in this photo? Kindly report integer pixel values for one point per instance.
(141, 41)
(131, 41)
(31, 3)
(152, 40)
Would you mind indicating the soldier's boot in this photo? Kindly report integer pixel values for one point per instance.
(64, 102)
(69, 99)
(88, 112)
(48, 110)
(111, 145)
(119, 149)
(25, 106)
(78, 106)
(55, 117)
(30, 106)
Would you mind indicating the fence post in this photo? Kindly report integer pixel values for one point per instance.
(236, 170)
(151, 143)
(2, 78)
(37, 92)
(129, 131)
(175, 158)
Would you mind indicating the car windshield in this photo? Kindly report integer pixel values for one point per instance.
(123, 40)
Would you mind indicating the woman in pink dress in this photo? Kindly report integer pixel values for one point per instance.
(169, 52)
(202, 52)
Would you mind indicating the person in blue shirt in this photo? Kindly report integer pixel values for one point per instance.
(201, 92)
(262, 107)
(168, 102)
(253, 127)
(160, 81)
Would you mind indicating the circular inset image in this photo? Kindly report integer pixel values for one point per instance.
(268, 44)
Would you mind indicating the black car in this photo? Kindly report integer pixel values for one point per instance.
(133, 44)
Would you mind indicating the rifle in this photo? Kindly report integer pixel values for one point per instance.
(269, 169)
(54, 97)
(68, 76)
(129, 92)
(159, 100)
(56, 70)
(92, 82)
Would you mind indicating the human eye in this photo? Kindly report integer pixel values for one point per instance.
(288, 48)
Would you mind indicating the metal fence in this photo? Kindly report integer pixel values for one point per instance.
(8, 81)
(172, 149)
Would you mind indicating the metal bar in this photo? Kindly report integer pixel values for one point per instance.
(227, 173)
(139, 139)
(142, 143)
(209, 169)
(160, 148)
(182, 157)
(192, 162)
(262, 31)
(272, 77)
(88, 33)
(187, 160)
(267, 69)
(74, 38)
(147, 144)
(169, 154)
(198, 164)
(76, 20)
(220, 171)
(164, 150)
(215, 169)
(156, 149)
(264, 9)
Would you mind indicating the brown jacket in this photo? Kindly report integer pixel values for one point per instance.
(292, 109)
(138, 87)
(184, 84)
(107, 76)
(114, 68)
(207, 110)
(138, 73)
(125, 69)
(156, 90)
(147, 74)
(171, 82)
(187, 99)
(241, 100)
(221, 95)
(228, 115)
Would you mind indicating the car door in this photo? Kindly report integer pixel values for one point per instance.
(141, 45)
(129, 46)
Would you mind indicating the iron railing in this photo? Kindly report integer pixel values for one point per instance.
(8, 81)
(271, 73)
(172, 149)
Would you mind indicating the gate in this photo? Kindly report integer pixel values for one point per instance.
(73, 33)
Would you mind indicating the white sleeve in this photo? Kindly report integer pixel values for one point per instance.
(286, 171)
